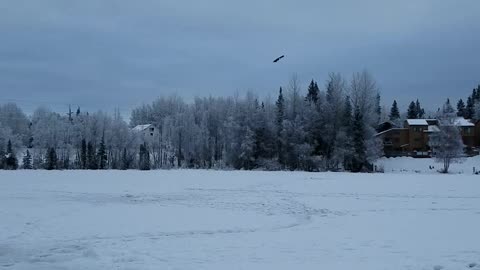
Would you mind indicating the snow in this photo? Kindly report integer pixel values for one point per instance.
(389, 130)
(183, 219)
(432, 128)
(427, 165)
(462, 122)
(417, 122)
(141, 127)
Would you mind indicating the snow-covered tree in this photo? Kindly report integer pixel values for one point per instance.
(446, 144)
(27, 161)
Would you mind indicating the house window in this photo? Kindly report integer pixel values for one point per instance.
(151, 134)
(152, 129)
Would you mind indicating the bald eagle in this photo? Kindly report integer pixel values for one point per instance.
(276, 60)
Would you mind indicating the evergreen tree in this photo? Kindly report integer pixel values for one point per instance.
(312, 93)
(66, 162)
(359, 158)
(347, 113)
(91, 157)
(280, 117)
(378, 109)
(144, 158)
(412, 111)
(27, 161)
(247, 150)
(83, 154)
(344, 140)
(70, 113)
(461, 108)
(102, 155)
(11, 162)
(394, 112)
(2, 156)
(447, 108)
(469, 109)
(51, 159)
(126, 160)
(264, 139)
(419, 109)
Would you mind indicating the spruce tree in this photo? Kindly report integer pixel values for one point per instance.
(66, 162)
(2, 156)
(476, 94)
(419, 109)
(83, 155)
(461, 108)
(27, 161)
(347, 113)
(447, 108)
(312, 93)
(126, 160)
(279, 121)
(91, 157)
(347, 143)
(11, 162)
(412, 111)
(144, 158)
(51, 159)
(359, 159)
(469, 109)
(102, 155)
(394, 112)
(378, 107)
(141, 156)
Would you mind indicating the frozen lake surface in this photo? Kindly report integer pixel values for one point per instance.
(185, 219)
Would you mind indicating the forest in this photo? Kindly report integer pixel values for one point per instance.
(314, 129)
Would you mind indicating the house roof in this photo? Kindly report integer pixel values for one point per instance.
(417, 122)
(141, 127)
(462, 122)
(388, 130)
(432, 128)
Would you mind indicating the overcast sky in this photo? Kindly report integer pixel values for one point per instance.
(102, 54)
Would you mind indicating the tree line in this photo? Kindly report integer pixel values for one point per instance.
(313, 129)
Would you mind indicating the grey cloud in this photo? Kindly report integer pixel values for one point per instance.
(106, 54)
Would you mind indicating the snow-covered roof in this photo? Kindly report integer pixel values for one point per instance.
(462, 122)
(141, 127)
(417, 122)
(432, 128)
(388, 130)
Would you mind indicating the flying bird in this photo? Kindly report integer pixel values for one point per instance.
(276, 60)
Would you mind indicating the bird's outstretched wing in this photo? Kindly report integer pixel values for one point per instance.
(276, 60)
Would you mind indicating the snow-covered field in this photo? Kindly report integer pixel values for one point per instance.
(427, 165)
(238, 220)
